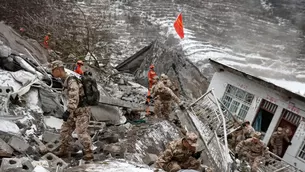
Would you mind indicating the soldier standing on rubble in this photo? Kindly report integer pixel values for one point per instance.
(253, 149)
(276, 141)
(168, 83)
(180, 154)
(76, 117)
(163, 97)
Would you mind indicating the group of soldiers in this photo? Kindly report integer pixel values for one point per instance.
(248, 145)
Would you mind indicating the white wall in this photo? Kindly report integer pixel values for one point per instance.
(219, 83)
(292, 151)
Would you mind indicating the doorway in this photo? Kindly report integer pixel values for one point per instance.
(289, 122)
(264, 117)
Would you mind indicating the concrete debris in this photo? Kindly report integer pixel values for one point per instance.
(42, 148)
(11, 165)
(54, 161)
(49, 136)
(26, 165)
(5, 149)
(53, 122)
(9, 127)
(19, 144)
(116, 151)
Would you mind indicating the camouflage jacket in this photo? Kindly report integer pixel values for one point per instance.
(175, 152)
(163, 93)
(248, 131)
(252, 148)
(170, 85)
(277, 139)
(72, 90)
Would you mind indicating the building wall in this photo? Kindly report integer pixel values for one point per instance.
(219, 83)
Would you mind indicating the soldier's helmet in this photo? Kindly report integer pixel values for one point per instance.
(56, 64)
(256, 135)
(164, 77)
(191, 138)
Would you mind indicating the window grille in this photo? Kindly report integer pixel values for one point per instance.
(238, 101)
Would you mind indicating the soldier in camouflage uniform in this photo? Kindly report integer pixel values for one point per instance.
(179, 155)
(245, 133)
(253, 150)
(75, 117)
(169, 84)
(276, 141)
(163, 97)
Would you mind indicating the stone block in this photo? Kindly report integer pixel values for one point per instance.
(149, 159)
(19, 144)
(52, 146)
(11, 165)
(26, 165)
(49, 136)
(5, 149)
(53, 160)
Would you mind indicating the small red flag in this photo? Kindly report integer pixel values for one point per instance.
(178, 25)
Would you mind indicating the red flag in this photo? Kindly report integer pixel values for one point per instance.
(178, 25)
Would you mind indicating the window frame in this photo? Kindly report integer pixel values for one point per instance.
(301, 149)
(232, 92)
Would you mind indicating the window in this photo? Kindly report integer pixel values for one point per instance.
(237, 101)
(302, 151)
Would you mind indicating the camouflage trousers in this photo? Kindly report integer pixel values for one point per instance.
(277, 149)
(175, 166)
(79, 122)
(162, 109)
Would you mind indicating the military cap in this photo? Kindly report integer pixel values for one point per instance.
(56, 64)
(191, 138)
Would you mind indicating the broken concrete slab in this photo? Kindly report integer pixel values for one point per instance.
(41, 146)
(149, 159)
(19, 144)
(5, 149)
(9, 127)
(53, 122)
(11, 165)
(49, 136)
(105, 113)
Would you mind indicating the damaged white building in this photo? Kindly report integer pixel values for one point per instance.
(266, 104)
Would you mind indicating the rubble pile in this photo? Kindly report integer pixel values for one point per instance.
(32, 109)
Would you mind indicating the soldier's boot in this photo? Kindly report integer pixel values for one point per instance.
(88, 155)
(62, 153)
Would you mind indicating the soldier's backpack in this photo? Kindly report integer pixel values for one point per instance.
(91, 93)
